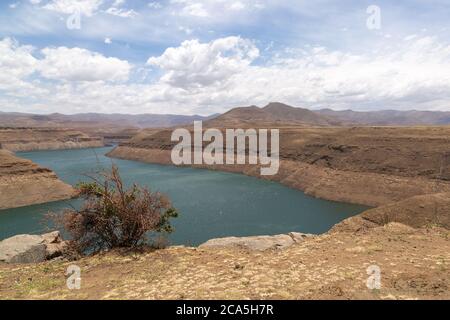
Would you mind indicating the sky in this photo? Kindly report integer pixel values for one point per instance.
(205, 57)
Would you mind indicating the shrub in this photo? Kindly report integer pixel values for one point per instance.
(113, 217)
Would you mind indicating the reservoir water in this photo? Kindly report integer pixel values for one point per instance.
(211, 204)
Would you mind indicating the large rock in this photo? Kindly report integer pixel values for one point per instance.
(32, 248)
(258, 243)
(55, 245)
(23, 249)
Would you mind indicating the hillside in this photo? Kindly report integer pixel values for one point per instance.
(23, 183)
(364, 165)
(95, 120)
(30, 139)
(388, 117)
(274, 114)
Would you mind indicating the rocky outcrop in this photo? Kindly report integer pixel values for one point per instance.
(258, 243)
(24, 183)
(22, 249)
(32, 248)
(55, 246)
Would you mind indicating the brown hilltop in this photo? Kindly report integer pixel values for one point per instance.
(274, 114)
(285, 113)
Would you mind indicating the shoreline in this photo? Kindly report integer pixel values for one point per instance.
(363, 188)
(24, 183)
(51, 146)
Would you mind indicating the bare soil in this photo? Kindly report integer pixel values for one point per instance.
(414, 265)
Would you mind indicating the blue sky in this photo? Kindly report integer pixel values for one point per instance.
(192, 56)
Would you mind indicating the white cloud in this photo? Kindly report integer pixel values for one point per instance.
(75, 64)
(118, 3)
(237, 5)
(86, 7)
(195, 9)
(196, 64)
(410, 37)
(124, 13)
(214, 8)
(16, 64)
(414, 74)
(155, 5)
(214, 76)
(188, 31)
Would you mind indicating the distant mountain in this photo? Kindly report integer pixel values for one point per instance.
(274, 113)
(282, 112)
(97, 119)
(388, 117)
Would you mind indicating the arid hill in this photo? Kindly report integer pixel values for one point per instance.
(274, 114)
(388, 117)
(91, 121)
(366, 165)
(24, 183)
(29, 139)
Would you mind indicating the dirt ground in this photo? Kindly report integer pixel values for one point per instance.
(414, 264)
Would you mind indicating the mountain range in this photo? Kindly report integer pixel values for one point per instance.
(274, 113)
(389, 117)
(89, 120)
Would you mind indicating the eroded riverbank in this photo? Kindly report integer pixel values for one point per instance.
(24, 183)
(364, 165)
(369, 189)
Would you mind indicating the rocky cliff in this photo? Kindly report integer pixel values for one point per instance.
(23, 183)
(32, 139)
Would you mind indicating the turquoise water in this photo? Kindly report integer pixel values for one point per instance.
(211, 204)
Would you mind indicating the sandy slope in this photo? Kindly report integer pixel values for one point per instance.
(23, 183)
(414, 263)
(31, 139)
